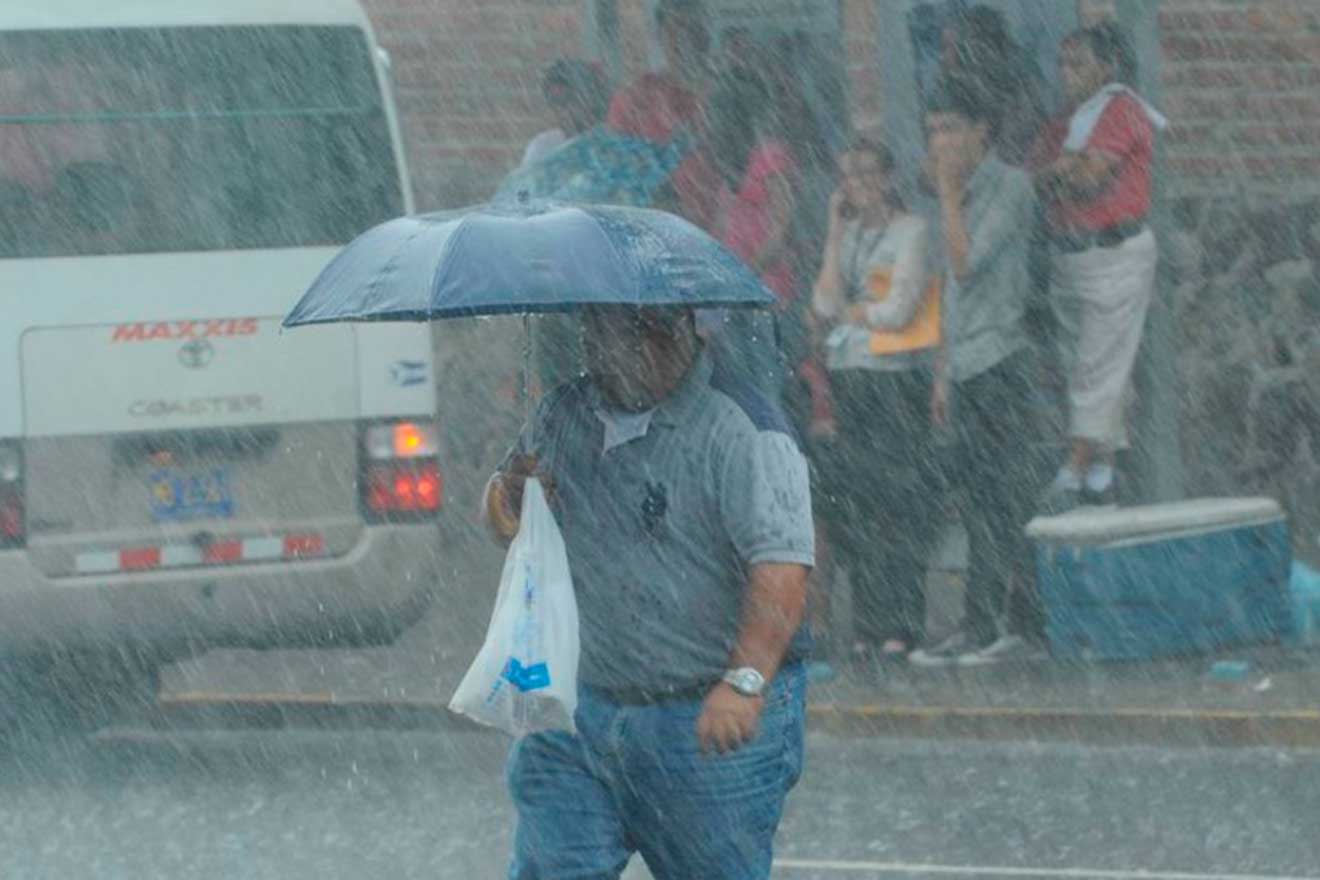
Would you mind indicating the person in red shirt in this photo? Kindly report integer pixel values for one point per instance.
(660, 106)
(1093, 166)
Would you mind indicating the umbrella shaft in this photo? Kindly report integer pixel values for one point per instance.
(526, 390)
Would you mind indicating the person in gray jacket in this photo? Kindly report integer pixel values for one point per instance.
(983, 396)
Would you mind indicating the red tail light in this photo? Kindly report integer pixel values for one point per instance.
(403, 487)
(13, 522)
(400, 475)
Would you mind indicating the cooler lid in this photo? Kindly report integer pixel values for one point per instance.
(1089, 526)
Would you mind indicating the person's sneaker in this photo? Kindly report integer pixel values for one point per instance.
(1106, 497)
(894, 651)
(1004, 649)
(943, 653)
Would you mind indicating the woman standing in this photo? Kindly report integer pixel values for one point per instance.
(886, 505)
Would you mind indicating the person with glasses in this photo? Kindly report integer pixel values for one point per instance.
(878, 482)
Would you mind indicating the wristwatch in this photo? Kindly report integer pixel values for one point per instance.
(746, 681)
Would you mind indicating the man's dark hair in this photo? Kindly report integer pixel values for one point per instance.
(985, 26)
(965, 97)
(1110, 45)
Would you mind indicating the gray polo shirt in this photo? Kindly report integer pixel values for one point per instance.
(660, 529)
(983, 312)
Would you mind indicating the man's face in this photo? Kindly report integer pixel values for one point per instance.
(637, 356)
(1082, 73)
(863, 179)
(954, 135)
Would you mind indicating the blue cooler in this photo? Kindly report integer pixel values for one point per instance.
(1137, 583)
(1305, 605)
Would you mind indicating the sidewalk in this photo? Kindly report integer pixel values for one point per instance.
(1167, 703)
(408, 684)
(1174, 702)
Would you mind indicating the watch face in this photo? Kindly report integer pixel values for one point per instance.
(746, 681)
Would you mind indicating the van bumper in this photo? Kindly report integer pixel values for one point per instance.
(366, 597)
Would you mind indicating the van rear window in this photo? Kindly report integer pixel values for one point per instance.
(190, 139)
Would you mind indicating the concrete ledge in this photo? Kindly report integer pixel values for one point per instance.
(1121, 726)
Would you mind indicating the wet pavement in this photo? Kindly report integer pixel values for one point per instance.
(348, 802)
(331, 764)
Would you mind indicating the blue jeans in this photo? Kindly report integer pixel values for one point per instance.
(633, 779)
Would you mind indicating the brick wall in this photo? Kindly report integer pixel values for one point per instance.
(467, 77)
(1241, 79)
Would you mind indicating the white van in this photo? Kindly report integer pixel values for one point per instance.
(176, 472)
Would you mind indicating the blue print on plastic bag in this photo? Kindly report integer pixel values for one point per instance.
(527, 678)
(536, 676)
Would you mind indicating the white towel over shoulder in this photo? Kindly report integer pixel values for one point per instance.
(1086, 116)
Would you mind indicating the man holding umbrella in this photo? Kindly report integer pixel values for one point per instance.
(684, 507)
(685, 510)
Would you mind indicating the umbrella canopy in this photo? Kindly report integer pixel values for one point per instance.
(600, 166)
(526, 258)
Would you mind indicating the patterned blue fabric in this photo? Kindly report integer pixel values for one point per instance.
(600, 166)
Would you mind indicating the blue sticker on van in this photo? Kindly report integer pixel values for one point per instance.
(408, 373)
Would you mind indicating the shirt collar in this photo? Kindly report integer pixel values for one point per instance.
(622, 428)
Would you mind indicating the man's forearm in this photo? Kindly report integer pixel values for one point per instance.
(956, 242)
(771, 615)
(1084, 176)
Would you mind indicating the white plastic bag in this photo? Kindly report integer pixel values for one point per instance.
(525, 676)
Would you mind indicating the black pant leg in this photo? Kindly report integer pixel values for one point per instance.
(885, 487)
(998, 433)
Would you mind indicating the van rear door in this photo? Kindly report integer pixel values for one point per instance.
(166, 194)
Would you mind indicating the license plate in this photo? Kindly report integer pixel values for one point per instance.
(183, 495)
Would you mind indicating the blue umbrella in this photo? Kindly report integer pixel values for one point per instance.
(526, 258)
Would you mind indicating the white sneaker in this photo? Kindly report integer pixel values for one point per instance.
(943, 653)
(1009, 647)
